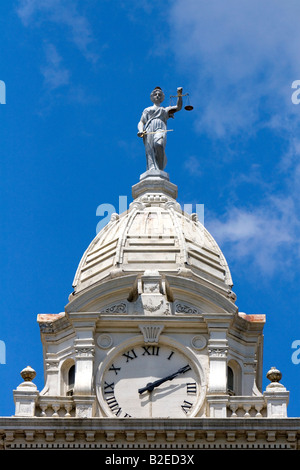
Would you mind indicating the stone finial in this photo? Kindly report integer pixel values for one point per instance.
(274, 375)
(26, 394)
(28, 374)
(276, 395)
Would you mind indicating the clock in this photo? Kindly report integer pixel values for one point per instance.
(149, 381)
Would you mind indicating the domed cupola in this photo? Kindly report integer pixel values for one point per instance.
(154, 238)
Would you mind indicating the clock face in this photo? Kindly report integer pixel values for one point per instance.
(145, 381)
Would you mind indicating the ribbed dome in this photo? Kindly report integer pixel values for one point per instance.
(154, 234)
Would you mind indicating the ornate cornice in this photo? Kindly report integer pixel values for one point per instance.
(96, 433)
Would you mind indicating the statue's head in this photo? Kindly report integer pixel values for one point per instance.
(157, 95)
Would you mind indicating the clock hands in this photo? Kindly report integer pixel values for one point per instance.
(150, 386)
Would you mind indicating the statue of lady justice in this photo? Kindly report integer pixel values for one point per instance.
(153, 128)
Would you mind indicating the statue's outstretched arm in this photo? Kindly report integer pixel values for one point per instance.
(175, 109)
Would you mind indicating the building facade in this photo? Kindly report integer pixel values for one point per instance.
(151, 351)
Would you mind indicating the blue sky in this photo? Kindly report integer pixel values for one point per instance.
(78, 75)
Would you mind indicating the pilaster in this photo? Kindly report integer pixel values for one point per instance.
(84, 326)
(217, 325)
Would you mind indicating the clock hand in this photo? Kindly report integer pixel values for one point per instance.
(150, 386)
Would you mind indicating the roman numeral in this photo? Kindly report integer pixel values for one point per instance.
(150, 350)
(169, 357)
(130, 355)
(191, 388)
(109, 388)
(115, 369)
(114, 405)
(186, 406)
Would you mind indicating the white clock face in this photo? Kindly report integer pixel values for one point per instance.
(149, 381)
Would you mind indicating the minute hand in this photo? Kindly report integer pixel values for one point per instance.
(150, 386)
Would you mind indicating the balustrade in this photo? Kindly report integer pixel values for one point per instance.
(246, 407)
(55, 407)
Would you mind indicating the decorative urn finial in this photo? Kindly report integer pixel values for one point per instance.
(274, 375)
(28, 374)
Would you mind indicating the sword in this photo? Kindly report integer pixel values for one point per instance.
(158, 130)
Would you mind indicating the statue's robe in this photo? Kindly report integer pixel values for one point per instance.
(154, 119)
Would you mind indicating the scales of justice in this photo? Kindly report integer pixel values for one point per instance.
(152, 128)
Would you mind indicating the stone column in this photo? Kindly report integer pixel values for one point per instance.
(217, 397)
(52, 370)
(84, 357)
(84, 397)
(217, 349)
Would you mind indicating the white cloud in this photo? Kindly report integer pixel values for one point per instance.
(193, 166)
(265, 237)
(55, 74)
(243, 57)
(65, 16)
(60, 12)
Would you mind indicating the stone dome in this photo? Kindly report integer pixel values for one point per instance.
(154, 234)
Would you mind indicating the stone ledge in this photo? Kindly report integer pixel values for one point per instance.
(157, 423)
(105, 433)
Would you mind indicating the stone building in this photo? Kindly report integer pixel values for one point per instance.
(151, 351)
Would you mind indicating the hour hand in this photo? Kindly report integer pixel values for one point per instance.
(150, 386)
